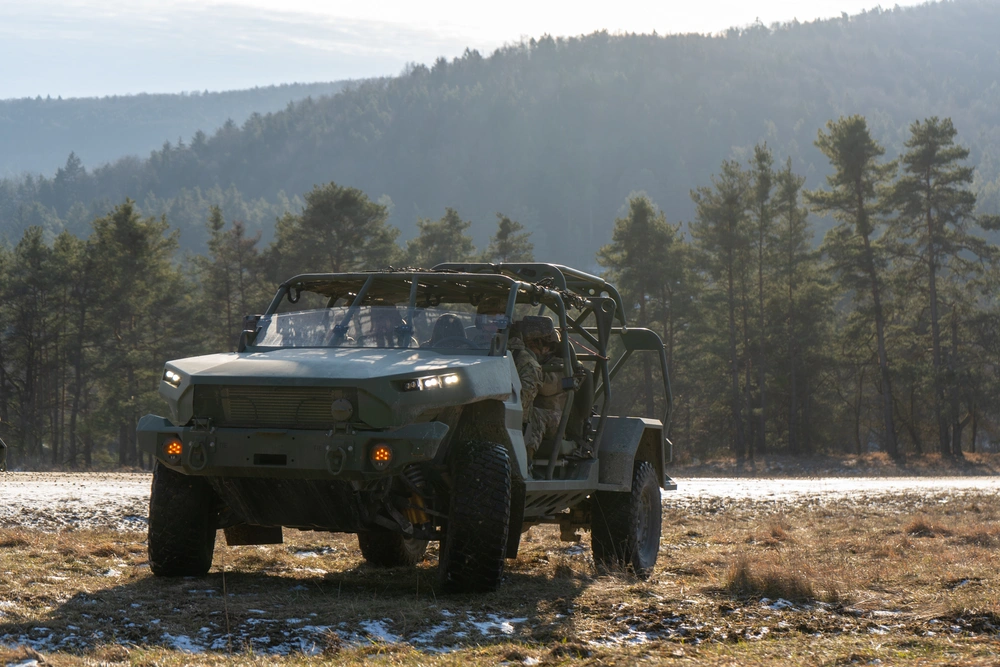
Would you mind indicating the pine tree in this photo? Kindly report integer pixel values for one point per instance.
(935, 208)
(510, 243)
(232, 284)
(439, 241)
(646, 260)
(855, 199)
(145, 315)
(340, 230)
(761, 211)
(802, 299)
(721, 232)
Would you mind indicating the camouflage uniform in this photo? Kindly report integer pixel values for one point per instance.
(541, 419)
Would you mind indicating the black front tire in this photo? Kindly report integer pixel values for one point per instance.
(391, 549)
(475, 542)
(183, 518)
(625, 530)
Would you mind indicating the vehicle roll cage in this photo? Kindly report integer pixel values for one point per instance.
(592, 296)
(550, 286)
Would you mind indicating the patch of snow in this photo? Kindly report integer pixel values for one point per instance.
(429, 635)
(494, 623)
(633, 636)
(531, 661)
(318, 551)
(377, 631)
(779, 604)
(183, 643)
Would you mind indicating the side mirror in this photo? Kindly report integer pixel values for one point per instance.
(250, 325)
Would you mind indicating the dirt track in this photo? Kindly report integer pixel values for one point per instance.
(49, 501)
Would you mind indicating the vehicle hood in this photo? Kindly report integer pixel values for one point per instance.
(373, 372)
(312, 364)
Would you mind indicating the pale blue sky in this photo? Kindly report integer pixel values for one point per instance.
(77, 48)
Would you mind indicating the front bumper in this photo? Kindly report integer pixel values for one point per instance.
(291, 453)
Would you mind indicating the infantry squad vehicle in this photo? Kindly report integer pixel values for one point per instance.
(387, 404)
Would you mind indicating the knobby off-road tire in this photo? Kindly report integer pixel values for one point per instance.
(625, 530)
(391, 549)
(183, 515)
(475, 542)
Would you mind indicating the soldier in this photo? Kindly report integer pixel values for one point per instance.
(491, 316)
(536, 340)
(552, 397)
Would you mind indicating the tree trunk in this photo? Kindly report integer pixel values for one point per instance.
(761, 366)
(739, 440)
(888, 423)
(751, 435)
(943, 445)
(975, 428)
(957, 423)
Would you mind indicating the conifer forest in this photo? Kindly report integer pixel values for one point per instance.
(814, 241)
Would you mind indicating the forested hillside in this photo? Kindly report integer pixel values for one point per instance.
(557, 132)
(885, 338)
(37, 134)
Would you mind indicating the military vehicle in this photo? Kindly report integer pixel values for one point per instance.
(386, 404)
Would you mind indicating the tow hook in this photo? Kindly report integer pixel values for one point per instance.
(341, 458)
(197, 455)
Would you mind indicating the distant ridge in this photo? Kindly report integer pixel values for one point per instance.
(36, 134)
(556, 133)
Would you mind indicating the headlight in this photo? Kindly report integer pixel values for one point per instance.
(431, 382)
(171, 378)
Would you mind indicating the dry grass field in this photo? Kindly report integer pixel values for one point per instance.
(896, 578)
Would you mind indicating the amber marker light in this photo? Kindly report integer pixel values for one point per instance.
(173, 448)
(381, 456)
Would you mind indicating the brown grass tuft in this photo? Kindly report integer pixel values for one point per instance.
(923, 527)
(11, 538)
(767, 578)
(978, 538)
(108, 549)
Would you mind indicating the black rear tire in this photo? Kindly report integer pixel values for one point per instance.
(183, 518)
(625, 530)
(391, 549)
(475, 542)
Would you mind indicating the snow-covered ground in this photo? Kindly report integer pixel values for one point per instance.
(120, 500)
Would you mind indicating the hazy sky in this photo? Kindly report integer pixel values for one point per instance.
(79, 48)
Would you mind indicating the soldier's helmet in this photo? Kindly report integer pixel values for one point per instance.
(491, 314)
(537, 328)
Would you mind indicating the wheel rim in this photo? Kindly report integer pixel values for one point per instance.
(644, 528)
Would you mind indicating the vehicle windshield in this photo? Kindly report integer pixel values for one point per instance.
(451, 327)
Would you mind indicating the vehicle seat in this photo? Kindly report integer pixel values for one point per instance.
(447, 326)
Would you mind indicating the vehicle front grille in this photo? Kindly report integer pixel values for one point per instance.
(271, 407)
